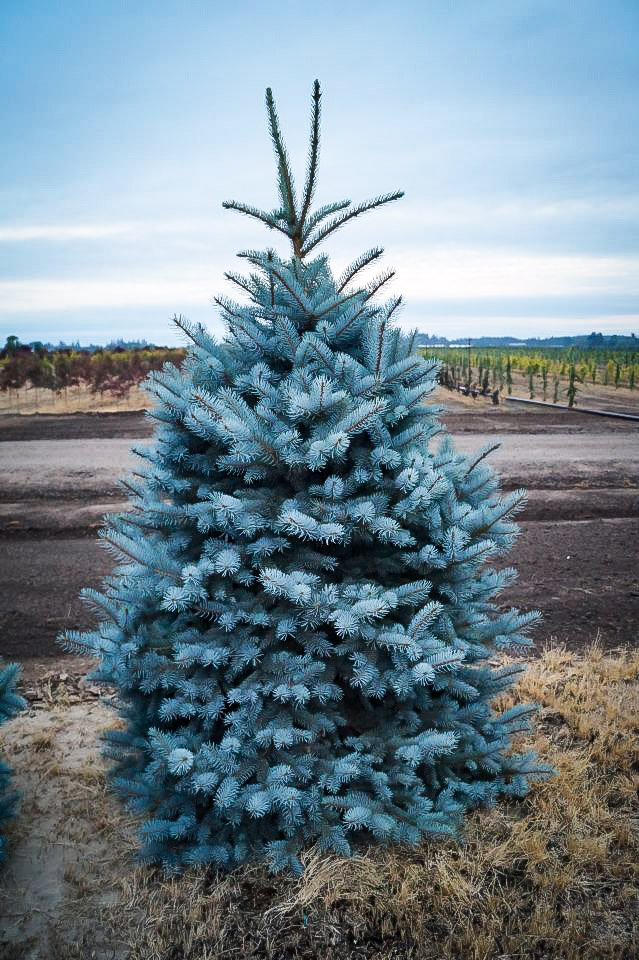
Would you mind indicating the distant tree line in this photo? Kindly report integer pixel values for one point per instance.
(92, 347)
(591, 341)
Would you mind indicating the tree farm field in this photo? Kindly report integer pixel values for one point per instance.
(552, 876)
(603, 379)
(69, 380)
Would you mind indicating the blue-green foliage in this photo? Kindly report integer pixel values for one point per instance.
(301, 619)
(10, 704)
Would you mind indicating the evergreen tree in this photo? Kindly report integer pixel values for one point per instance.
(10, 704)
(544, 379)
(301, 620)
(572, 386)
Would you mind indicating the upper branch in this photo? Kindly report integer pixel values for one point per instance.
(287, 188)
(266, 218)
(313, 156)
(349, 215)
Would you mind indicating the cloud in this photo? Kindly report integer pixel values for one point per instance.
(515, 219)
(465, 212)
(49, 294)
(453, 274)
(423, 275)
(131, 229)
(62, 232)
(65, 232)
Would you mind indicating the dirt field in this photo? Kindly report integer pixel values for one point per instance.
(577, 556)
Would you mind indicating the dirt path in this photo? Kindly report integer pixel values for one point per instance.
(460, 414)
(89, 467)
(577, 556)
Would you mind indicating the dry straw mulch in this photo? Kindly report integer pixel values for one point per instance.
(552, 876)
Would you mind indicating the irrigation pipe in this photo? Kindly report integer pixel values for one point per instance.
(561, 406)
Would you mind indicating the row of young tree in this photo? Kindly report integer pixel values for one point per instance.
(44, 374)
(551, 374)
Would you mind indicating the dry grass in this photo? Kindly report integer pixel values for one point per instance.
(81, 400)
(553, 876)
(78, 400)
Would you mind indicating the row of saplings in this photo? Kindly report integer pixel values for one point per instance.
(302, 621)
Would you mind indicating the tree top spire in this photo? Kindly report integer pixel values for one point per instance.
(295, 219)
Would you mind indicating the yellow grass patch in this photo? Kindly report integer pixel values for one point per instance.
(78, 400)
(552, 876)
(82, 400)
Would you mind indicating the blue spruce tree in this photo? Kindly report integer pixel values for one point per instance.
(10, 704)
(302, 614)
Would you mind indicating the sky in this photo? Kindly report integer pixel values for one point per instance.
(512, 126)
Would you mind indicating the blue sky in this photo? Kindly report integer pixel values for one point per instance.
(512, 126)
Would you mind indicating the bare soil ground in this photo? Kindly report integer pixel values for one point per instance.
(550, 877)
(578, 555)
(70, 426)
